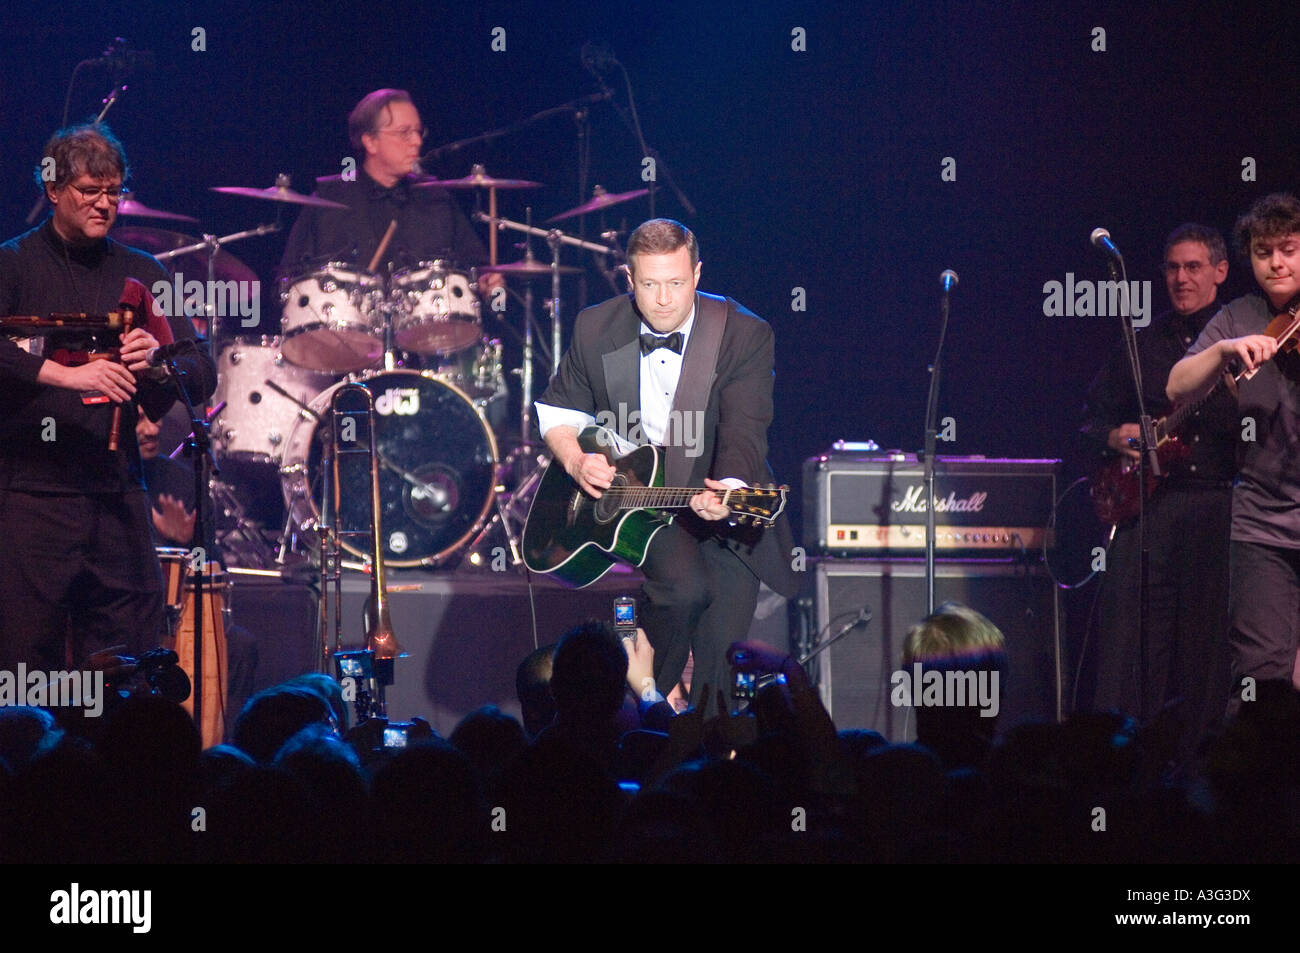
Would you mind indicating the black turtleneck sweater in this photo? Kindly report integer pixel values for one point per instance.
(40, 274)
(1211, 433)
(430, 225)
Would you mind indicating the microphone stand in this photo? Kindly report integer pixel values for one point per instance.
(198, 447)
(572, 106)
(107, 102)
(633, 123)
(1148, 462)
(931, 434)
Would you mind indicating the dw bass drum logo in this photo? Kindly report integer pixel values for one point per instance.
(403, 401)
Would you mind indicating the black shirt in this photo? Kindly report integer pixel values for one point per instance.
(40, 274)
(430, 225)
(1210, 432)
(1266, 497)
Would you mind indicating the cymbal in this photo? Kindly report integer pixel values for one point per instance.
(479, 179)
(527, 266)
(156, 241)
(600, 199)
(129, 206)
(278, 193)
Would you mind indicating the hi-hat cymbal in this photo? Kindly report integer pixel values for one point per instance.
(129, 206)
(479, 179)
(527, 266)
(194, 264)
(600, 199)
(280, 192)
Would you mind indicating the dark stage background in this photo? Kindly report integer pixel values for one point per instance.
(816, 169)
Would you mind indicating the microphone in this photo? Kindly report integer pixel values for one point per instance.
(949, 280)
(158, 356)
(1101, 238)
(121, 59)
(597, 57)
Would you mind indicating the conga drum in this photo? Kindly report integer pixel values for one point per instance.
(179, 588)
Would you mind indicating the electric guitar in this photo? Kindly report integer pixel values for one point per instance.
(577, 538)
(1114, 486)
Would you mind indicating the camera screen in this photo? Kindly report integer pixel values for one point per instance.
(625, 613)
(394, 737)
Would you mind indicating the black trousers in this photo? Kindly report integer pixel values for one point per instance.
(1187, 653)
(1265, 609)
(77, 574)
(701, 598)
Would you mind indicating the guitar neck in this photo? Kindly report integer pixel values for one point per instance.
(663, 497)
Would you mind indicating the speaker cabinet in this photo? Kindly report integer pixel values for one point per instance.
(854, 674)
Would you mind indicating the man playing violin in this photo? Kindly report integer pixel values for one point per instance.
(77, 566)
(1264, 555)
(1187, 518)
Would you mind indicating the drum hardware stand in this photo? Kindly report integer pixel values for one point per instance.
(198, 447)
(211, 244)
(288, 534)
(254, 546)
(512, 506)
(513, 511)
(555, 238)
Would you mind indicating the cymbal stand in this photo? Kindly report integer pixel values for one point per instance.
(555, 238)
(512, 511)
(210, 245)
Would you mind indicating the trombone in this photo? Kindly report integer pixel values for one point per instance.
(349, 431)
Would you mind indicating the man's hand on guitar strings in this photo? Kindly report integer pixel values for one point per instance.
(592, 472)
(1119, 440)
(709, 505)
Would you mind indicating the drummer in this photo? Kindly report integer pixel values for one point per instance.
(386, 135)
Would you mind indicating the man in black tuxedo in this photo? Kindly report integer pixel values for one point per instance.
(693, 373)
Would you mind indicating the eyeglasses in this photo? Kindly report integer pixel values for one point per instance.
(92, 195)
(406, 133)
(1192, 267)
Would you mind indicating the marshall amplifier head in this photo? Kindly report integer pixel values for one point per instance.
(859, 503)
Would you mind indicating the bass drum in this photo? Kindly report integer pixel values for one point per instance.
(437, 471)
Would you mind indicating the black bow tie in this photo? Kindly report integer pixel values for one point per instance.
(652, 342)
(399, 193)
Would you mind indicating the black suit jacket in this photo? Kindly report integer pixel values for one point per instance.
(601, 375)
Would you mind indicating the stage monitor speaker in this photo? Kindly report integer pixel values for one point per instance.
(855, 673)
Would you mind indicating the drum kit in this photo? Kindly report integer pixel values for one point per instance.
(415, 339)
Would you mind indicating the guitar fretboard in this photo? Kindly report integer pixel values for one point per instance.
(663, 497)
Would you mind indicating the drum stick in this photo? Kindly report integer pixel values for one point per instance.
(383, 245)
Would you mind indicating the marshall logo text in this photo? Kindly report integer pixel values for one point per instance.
(912, 502)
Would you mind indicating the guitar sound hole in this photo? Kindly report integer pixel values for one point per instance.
(607, 507)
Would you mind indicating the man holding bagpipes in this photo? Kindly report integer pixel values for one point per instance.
(77, 567)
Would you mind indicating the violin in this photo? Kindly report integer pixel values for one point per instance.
(1285, 329)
